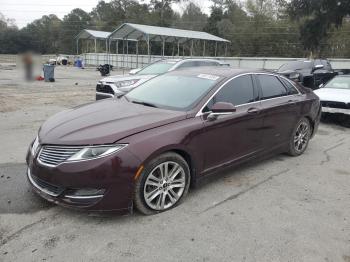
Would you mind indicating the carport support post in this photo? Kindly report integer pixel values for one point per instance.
(127, 52)
(148, 49)
(95, 46)
(137, 54)
(204, 48)
(225, 49)
(216, 48)
(163, 48)
(192, 48)
(77, 46)
(178, 48)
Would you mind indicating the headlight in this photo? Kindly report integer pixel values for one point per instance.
(126, 83)
(35, 146)
(95, 152)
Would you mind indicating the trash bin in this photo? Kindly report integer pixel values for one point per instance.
(49, 73)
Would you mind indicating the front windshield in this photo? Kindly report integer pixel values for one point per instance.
(296, 65)
(156, 68)
(177, 92)
(339, 82)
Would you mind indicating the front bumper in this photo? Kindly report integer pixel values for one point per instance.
(335, 110)
(112, 174)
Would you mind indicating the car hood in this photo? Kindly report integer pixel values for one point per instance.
(333, 94)
(103, 122)
(112, 79)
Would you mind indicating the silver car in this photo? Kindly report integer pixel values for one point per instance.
(120, 84)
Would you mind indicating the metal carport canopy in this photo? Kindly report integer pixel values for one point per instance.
(156, 33)
(93, 34)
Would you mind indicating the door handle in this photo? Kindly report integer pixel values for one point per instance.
(253, 110)
(292, 101)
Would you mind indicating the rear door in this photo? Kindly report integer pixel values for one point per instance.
(280, 110)
(239, 134)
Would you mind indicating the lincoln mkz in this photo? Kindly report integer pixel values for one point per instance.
(147, 148)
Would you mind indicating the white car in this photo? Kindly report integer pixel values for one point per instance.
(120, 84)
(335, 96)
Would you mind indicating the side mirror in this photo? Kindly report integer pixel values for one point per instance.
(316, 67)
(221, 108)
(134, 71)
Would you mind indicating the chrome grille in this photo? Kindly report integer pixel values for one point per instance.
(55, 155)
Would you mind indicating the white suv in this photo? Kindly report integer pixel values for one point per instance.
(120, 84)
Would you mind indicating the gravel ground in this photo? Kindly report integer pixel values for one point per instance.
(278, 209)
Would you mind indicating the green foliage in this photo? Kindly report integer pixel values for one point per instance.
(316, 18)
(285, 28)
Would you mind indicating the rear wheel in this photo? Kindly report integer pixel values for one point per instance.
(300, 137)
(163, 184)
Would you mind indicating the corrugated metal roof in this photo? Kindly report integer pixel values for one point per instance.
(156, 33)
(92, 34)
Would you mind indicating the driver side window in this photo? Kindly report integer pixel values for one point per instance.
(237, 92)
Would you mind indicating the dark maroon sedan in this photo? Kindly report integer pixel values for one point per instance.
(148, 147)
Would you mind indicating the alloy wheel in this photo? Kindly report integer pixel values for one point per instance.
(164, 185)
(301, 137)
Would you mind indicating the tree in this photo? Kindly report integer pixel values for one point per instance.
(45, 33)
(192, 18)
(72, 24)
(163, 11)
(316, 17)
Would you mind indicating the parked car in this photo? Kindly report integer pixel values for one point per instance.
(310, 73)
(335, 98)
(119, 84)
(146, 148)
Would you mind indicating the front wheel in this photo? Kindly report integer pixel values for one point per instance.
(162, 185)
(300, 138)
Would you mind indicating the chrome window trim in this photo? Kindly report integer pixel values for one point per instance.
(291, 82)
(200, 113)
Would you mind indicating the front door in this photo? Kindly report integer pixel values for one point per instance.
(232, 137)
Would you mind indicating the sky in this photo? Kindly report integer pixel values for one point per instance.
(25, 11)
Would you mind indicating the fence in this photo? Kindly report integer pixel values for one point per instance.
(133, 61)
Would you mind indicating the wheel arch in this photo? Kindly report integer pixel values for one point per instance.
(185, 153)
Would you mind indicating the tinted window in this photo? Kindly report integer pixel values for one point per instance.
(271, 87)
(238, 91)
(177, 92)
(291, 89)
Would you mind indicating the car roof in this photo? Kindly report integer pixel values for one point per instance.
(218, 71)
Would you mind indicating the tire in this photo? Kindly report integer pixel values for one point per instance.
(300, 137)
(158, 191)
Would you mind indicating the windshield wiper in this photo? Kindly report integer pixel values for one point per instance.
(144, 103)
